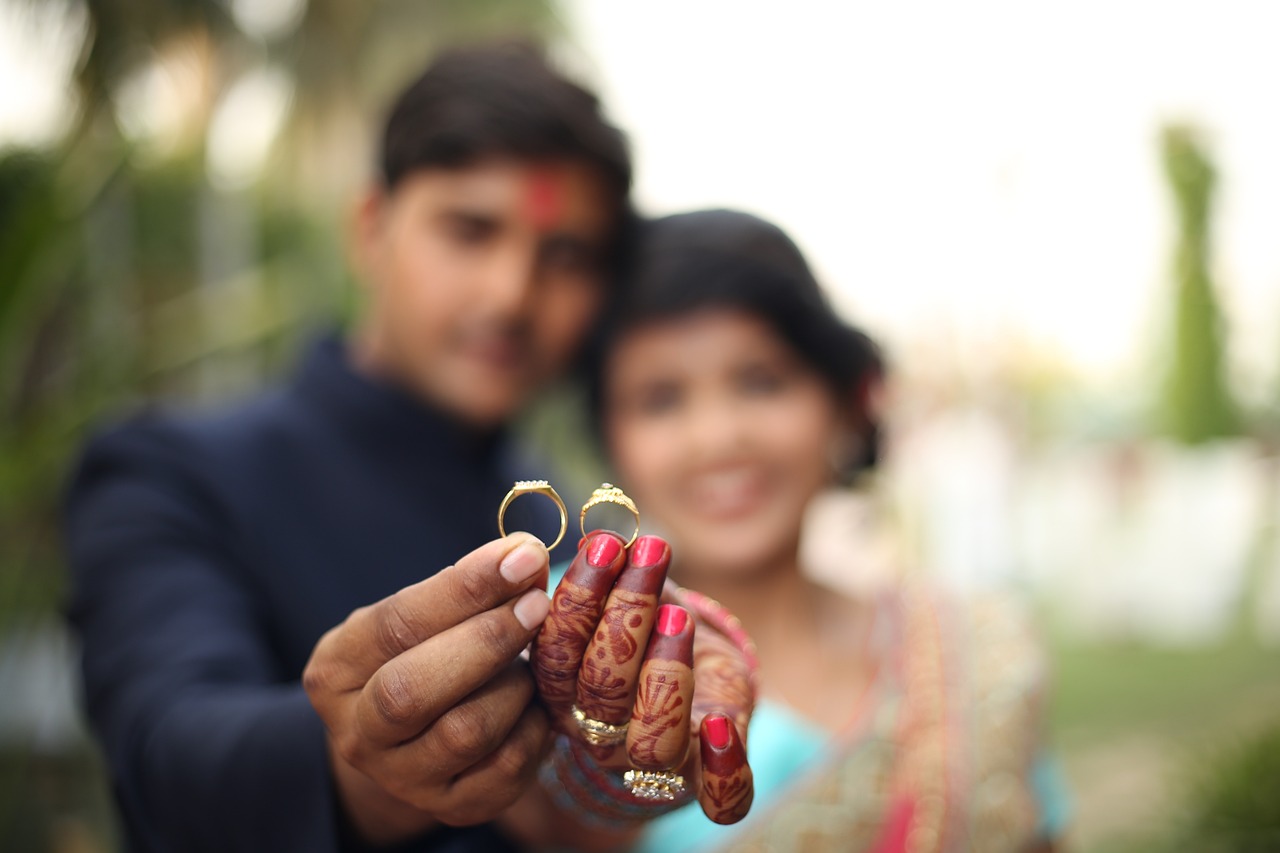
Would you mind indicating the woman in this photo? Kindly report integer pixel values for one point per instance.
(728, 395)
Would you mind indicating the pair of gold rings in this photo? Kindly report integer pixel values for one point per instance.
(658, 785)
(607, 493)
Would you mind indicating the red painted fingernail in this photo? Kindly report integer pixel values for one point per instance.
(671, 619)
(648, 551)
(716, 729)
(604, 550)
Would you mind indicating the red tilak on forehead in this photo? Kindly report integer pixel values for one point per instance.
(544, 198)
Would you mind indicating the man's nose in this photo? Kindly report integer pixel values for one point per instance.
(509, 281)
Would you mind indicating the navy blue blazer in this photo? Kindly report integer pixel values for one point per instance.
(209, 553)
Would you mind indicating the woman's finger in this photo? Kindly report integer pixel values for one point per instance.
(658, 737)
(727, 786)
(611, 664)
(575, 613)
(724, 684)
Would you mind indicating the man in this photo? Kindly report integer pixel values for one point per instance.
(211, 554)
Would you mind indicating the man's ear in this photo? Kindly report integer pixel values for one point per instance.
(364, 232)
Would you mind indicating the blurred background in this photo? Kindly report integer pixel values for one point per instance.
(1061, 220)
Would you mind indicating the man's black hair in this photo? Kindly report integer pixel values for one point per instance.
(499, 100)
(690, 262)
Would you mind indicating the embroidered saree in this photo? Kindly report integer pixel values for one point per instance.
(944, 755)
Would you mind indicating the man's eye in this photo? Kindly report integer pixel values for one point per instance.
(570, 256)
(468, 230)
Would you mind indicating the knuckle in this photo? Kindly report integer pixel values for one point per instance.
(393, 632)
(348, 746)
(316, 679)
(516, 759)
(320, 674)
(465, 734)
(423, 799)
(490, 633)
(472, 588)
(392, 697)
(494, 634)
(405, 789)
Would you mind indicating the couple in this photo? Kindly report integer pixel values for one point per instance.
(277, 658)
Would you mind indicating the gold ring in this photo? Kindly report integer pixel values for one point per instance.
(534, 487)
(610, 494)
(654, 784)
(598, 732)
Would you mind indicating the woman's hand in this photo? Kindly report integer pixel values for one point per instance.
(615, 653)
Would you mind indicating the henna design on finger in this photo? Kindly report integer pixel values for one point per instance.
(622, 619)
(557, 650)
(728, 786)
(575, 610)
(604, 689)
(658, 737)
(723, 680)
(610, 669)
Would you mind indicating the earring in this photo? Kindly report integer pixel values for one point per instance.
(843, 456)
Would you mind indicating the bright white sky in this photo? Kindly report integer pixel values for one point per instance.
(984, 167)
(963, 172)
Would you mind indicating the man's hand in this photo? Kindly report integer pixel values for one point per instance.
(428, 710)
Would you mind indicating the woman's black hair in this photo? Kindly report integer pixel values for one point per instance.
(721, 258)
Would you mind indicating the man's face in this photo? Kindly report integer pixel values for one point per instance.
(482, 280)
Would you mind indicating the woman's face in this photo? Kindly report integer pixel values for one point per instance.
(722, 434)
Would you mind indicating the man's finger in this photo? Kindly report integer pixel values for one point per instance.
(658, 736)
(463, 736)
(490, 575)
(611, 664)
(575, 612)
(409, 692)
(727, 785)
(489, 786)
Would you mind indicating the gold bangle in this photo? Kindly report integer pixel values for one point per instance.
(534, 487)
(611, 494)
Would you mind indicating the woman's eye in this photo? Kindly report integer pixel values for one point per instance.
(761, 381)
(657, 400)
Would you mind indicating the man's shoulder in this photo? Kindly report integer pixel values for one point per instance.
(185, 439)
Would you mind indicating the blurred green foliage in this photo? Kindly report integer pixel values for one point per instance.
(1234, 804)
(104, 307)
(1196, 404)
(129, 276)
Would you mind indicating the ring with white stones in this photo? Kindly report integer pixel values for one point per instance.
(534, 487)
(654, 784)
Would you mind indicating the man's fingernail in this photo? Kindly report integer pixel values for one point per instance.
(671, 619)
(603, 551)
(524, 562)
(648, 551)
(716, 729)
(532, 609)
